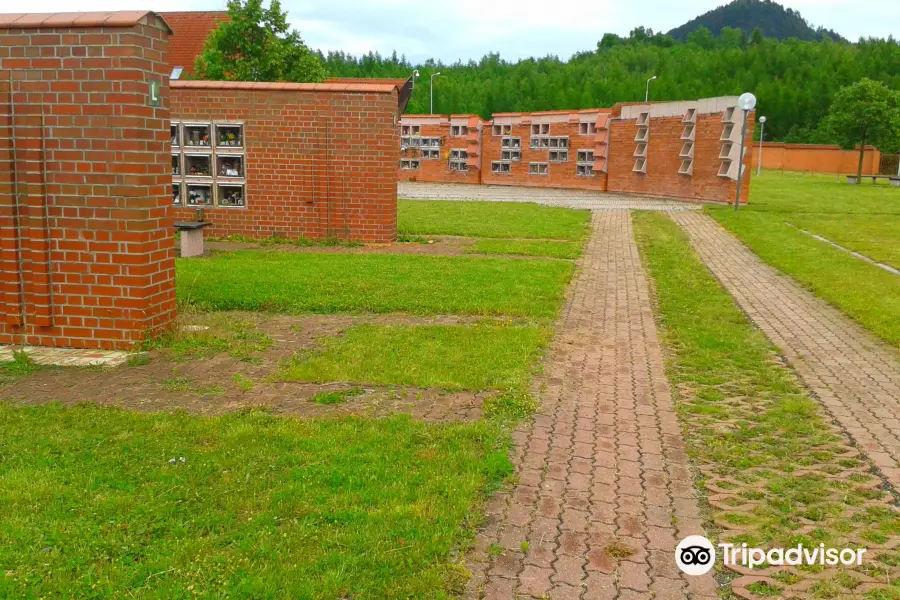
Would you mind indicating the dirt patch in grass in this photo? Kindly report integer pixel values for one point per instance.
(225, 362)
(434, 245)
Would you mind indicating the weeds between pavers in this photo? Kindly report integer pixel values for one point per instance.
(776, 472)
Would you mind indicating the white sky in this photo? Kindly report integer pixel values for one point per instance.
(464, 29)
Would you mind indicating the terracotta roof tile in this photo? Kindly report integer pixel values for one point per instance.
(7, 19)
(189, 33)
(73, 19)
(399, 82)
(373, 88)
(552, 112)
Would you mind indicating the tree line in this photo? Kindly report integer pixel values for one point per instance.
(794, 81)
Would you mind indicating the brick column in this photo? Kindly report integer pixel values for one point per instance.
(86, 246)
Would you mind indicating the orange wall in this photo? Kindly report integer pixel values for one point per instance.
(817, 158)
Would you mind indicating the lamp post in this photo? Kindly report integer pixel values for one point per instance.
(762, 132)
(433, 75)
(415, 76)
(647, 91)
(746, 102)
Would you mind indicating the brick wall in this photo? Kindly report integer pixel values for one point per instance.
(86, 248)
(816, 158)
(559, 174)
(320, 162)
(664, 146)
(611, 137)
(438, 170)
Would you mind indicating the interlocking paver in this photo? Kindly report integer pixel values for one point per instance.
(854, 376)
(602, 470)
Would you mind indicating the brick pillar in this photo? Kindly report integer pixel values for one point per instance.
(86, 247)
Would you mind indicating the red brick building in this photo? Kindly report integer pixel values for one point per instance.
(546, 149)
(441, 148)
(287, 159)
(189, 32)
(92, 160)
(687, 150)
(86, 248)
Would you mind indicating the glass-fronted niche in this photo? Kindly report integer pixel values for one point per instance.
(209, 164)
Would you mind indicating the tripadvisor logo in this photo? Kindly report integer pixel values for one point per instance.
(696, 555)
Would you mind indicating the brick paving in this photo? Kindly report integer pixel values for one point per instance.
(854, 376)
(604, 489)
(547, 196)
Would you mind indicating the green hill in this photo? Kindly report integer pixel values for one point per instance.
(773, 20)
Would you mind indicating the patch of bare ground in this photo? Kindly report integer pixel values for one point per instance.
(225, 362)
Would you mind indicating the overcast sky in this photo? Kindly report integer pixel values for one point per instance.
(464, 29)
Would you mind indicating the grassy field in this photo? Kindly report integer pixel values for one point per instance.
(476, 357)
(491, 220)
(327, 283)
(751, 425)
(864, 218)
(260, 507)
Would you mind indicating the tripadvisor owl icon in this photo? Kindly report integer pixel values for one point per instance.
(695, 555)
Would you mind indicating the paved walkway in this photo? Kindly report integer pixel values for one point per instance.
(855, 377)
(546, 196)
(603, 473)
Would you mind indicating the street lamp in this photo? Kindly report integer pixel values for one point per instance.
(647, 92)
(415, 76)
(746, 102)
(762, 132)
(433, 75)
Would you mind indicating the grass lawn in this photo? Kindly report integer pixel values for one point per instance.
(491, 220)
(326, 283)
(751, 426)
(864, 218)
(20, 366)
(551, 248)
(475, 357)
(261, 507)
(98, 503)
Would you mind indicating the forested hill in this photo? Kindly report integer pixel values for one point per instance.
(794, 80)
(772, 19)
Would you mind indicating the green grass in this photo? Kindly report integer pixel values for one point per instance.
(491, 220)
(750, 424)
(236, 336)
(326, 283)
(864, 218)
(477, 357)
(20, 366)
(549, 248)
(262, 507)
(339, 397)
